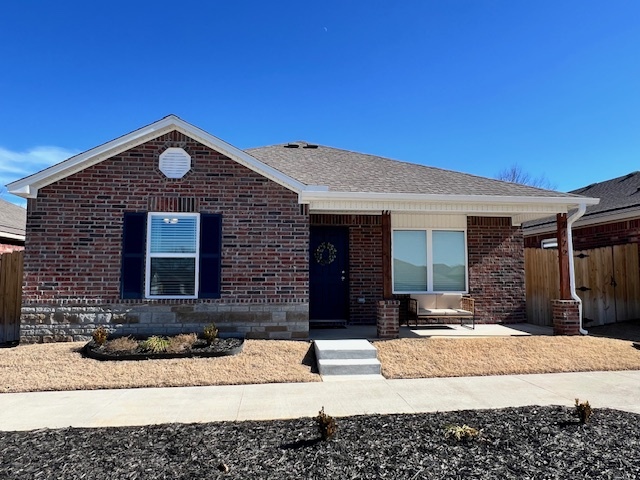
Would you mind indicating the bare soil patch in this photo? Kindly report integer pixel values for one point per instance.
(60, 366)
(514, 443)
(459, 357)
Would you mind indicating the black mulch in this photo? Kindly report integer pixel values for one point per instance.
(515, 443)
(201, 348)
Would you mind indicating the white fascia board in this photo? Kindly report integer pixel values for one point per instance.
(308, 197)
(12, 236)
(28, 187)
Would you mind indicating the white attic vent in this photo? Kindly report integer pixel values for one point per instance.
(175, 162)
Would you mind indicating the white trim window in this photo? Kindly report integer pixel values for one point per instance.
(172, 263)
(429, 261)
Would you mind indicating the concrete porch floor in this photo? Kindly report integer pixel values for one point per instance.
(446, 331)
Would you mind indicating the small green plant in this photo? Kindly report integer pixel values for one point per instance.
(100, 335)
(461, 432)
(210, 332)
(181, 343)
(155, 344)
(583, 411)
(121, 344)
(326, 424)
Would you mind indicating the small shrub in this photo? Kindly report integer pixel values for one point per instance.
(326, 425)
(155, 344)
(100, 335)
(210, 332)
(460, 433)
(121, 344)
(181, 343)
(583, 411)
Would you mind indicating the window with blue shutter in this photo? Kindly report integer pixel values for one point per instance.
(210, 254)
(171, 255)
(134, 233)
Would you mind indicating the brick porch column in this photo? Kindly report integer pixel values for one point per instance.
(566, 317)
(388, 318)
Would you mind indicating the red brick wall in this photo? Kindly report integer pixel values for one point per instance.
(74, 227)
(596, 236)
(365, 262)
(496, 269)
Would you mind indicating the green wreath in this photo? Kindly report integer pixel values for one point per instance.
(325, 253)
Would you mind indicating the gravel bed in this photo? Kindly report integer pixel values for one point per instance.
(514, 443)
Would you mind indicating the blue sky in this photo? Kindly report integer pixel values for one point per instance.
(474, 86)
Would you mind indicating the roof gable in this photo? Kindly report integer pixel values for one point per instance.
(28, 186)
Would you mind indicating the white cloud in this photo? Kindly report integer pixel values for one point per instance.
(16, 165)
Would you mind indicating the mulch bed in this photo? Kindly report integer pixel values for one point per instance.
(218, 348)
(515, 443)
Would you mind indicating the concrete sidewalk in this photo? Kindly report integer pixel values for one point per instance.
(100, 408)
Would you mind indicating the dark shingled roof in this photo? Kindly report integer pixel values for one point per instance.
(13, 219)
(616, 196)
(346, 171)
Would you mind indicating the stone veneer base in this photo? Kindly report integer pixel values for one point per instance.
(55, 323)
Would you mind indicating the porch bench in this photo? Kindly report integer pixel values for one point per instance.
(440, 308)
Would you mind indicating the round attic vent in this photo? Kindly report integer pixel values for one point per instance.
(175, 162)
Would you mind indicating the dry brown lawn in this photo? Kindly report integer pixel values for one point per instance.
(60, 366)
(458, 357)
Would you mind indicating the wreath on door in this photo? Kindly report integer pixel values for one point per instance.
(325, 254)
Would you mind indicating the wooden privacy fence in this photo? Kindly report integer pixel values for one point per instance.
(10, 296)
(607, 282)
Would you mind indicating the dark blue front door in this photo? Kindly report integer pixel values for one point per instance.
(329, 274)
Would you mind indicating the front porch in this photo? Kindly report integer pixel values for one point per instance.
(369, 332)
(382, 256)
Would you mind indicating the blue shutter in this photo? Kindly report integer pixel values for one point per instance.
(134, 232)
(210, 253)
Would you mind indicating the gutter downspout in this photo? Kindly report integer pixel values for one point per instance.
(572, 274)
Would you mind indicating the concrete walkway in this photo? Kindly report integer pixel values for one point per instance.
(100, 408)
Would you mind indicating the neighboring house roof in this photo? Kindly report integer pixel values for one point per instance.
(619, 200)
(329, 179)
(13, 220)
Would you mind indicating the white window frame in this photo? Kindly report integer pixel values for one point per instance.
(429, 235)
(149, 255)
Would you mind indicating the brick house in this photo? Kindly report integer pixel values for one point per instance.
(607, 237)
(614, 221)
(168, 228)
(12, 227)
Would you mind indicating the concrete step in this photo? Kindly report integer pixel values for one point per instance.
(346, 357)
(344, 349)
(342, 366)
